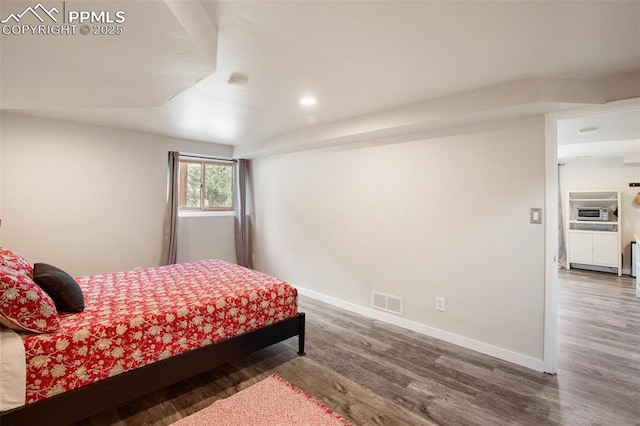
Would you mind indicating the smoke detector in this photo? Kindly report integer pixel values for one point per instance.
(238, 81)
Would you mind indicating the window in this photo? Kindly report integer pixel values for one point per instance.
(205, 185)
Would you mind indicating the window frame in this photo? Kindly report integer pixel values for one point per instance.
(202, 162)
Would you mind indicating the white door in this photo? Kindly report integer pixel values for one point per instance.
(606, 249)
(580, 247)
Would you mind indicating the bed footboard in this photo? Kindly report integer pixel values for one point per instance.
(77, 404)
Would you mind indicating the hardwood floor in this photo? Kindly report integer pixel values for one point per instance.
(599, 349)
(376, 374)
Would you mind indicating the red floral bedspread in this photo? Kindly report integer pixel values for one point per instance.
(135, 318)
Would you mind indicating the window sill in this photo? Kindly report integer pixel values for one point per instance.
(187, 213)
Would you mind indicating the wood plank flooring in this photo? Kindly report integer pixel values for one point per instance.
(599, 349)
(376, 374)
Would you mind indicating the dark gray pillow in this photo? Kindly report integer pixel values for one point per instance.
(60, 286)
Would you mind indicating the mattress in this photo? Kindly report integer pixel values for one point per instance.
(135, 318)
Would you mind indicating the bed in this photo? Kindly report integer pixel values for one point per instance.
(142, 330)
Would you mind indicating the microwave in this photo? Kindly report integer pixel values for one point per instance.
(593, 213)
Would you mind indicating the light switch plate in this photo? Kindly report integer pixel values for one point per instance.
(535, 216)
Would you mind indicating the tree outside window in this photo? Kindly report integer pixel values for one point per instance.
(205, 185)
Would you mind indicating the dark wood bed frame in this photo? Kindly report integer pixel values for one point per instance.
(77, 404)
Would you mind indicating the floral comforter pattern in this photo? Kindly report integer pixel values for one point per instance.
(135, 318)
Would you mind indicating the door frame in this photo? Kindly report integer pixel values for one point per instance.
(550, 356)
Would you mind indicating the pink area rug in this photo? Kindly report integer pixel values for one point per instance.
(271, 402)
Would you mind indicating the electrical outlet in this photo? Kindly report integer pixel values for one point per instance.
(440, 305)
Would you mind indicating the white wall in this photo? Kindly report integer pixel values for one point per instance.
(442, 217)
(606, 173)
(91, 199)
(206, 238)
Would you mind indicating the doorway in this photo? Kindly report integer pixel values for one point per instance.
(554, 122)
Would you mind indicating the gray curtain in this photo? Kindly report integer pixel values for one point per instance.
(242, 217)
(562, 248)
(170, 231)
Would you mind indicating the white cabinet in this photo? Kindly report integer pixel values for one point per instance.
(594, 248)
(606, 249)
(594, 241)
(581, 244)
(637, 244)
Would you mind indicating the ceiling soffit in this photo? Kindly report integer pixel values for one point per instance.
(516, 99)
(169, 48)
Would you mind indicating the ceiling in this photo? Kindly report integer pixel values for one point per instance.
(167, 72)
(611, 134)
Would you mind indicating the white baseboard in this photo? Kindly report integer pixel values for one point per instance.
(465, 342)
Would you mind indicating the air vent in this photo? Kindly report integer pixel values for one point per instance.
(387, 303)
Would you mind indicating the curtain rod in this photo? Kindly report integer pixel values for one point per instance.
(206, 157)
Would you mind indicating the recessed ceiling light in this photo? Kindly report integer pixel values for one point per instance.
(238, 81)
(587, 130)
(308, 101)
